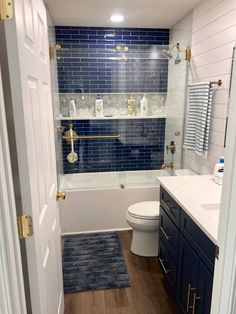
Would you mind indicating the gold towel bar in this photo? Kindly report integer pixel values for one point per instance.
(89, 137)
(219, 82)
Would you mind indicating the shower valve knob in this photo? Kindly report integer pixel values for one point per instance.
(171, 147)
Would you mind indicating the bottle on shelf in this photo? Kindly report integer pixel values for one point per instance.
(143, 106)
(98, 107)
(64, 109)
(72, 109)
(131, 106)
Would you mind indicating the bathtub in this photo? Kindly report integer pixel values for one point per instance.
(98, 201)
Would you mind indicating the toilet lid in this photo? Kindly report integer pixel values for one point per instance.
(145, 210)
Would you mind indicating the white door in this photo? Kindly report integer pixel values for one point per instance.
(12, 293)
(28, 57)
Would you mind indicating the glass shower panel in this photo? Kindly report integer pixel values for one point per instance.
(58, 130)
(119, 141)
(175, 107)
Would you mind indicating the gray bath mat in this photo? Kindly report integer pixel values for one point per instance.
(93, 262)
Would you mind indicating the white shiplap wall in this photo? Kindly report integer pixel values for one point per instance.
(213, 39)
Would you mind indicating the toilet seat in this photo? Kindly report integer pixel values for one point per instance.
(145, 210)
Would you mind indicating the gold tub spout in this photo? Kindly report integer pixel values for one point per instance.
(170, 165)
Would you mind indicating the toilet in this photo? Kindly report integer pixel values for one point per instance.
(144, 219)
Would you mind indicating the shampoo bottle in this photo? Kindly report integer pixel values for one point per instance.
(144, 106)
(98, 107)
(72, 109)
(219, 166)
(131, 106)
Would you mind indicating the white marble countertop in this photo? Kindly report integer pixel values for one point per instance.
(200, 197)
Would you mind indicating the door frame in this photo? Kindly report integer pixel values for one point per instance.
(12, 293)
(224, 286)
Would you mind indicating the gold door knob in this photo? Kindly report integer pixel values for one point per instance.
(61, 195)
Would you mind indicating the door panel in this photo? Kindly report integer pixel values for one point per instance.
(204, 291)
(33, 118)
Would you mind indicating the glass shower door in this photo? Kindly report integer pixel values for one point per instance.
(175, 109)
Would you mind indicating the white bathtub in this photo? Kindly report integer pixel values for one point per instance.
(99, 201)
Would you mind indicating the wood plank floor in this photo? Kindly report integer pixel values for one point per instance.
(147, 294)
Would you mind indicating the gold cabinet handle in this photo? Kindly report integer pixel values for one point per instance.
(60, 195)
(169, 208)
(165, 234)
(195, 298)
(163, 266)
(188, 297)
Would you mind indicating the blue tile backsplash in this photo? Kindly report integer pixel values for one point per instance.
(139, 147)
(88, 60)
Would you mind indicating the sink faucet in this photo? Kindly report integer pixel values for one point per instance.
(170, 165)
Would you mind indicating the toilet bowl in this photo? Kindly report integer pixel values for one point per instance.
(144, 219)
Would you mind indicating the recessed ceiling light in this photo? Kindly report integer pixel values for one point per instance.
(117, 18)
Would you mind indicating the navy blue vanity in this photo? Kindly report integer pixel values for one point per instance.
(186, 257)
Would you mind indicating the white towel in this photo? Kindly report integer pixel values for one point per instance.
(198, 117)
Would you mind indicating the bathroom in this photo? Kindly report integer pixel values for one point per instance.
(118, 209)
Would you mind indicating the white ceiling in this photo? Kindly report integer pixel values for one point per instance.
(137, 13)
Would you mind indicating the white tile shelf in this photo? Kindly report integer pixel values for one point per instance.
(111, 118)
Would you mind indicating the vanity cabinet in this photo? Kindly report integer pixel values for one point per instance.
(186, 256)
(194, 281)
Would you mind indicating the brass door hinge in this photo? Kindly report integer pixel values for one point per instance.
(25, 228)
(217, 252)
(51, 53)
(6, 9)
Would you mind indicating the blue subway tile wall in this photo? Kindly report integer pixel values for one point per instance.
(139, 147)
(88, 61)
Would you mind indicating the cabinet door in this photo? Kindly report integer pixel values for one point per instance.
(188, 270)
(168, 267)
(204, 291)
(169, 235)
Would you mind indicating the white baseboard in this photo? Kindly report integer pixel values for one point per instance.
(94, 231)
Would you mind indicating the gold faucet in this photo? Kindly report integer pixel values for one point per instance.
(170, 165)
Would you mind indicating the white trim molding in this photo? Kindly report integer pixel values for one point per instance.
(224, 292)
(12, 296)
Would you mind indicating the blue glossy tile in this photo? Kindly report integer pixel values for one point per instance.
(112, 155)
(93, 38)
